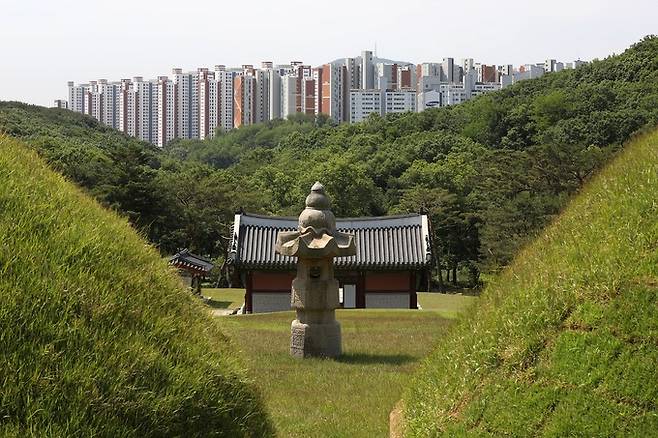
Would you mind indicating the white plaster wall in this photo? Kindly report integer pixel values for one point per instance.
(270, 302)
(387, 300)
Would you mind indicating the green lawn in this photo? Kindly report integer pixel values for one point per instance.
(348, 397)
(224, 298)
(448, 305)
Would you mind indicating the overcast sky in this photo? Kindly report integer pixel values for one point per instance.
(45, 43)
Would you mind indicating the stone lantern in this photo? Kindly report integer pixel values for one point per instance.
(314, 296)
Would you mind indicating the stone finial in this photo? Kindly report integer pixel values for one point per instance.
(316, 235)
(317, 216)
(318, 199)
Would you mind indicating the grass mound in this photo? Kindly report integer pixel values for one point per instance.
(565, 342)
(97, 337)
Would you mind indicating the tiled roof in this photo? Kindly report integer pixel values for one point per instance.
(187, 260)
(387, 242)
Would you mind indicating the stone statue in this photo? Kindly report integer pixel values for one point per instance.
(314, 296)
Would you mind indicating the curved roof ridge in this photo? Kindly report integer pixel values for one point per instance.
(360, 218)
(187, 252)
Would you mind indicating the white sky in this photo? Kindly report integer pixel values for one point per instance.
(45, 43)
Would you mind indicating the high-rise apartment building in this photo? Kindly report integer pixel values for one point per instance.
(186, 89)
(400, 101)
(308, 96)
(127, 107)
(304, 72)
(93, 101)
(468, 64)
(78, 97)
(448, 70)
(386, 76)
(60, 103)
(505, 69)
(331, 91)
(244, 95)
(288, 95)
(353, 74)
(274, 81)
(106, 98)
(210, 103)
(262, 95)
(429, 69)
(367, 70)
(486, 73)
(405, 77)
(549, 65)
(225, 79)
(168, 120)
(146, 109)
(363, 103)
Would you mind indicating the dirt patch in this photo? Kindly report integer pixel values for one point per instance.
(396, 420)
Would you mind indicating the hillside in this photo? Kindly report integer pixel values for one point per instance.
(118, 171)
(98, 338)
(565, 341)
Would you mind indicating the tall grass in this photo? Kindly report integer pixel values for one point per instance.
(564, 342)
(97, 336)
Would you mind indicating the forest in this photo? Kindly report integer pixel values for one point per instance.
(490, 173)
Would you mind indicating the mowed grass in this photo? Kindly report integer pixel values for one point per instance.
(565, 341)
(348, 397)
(224, 298)
(448, 305)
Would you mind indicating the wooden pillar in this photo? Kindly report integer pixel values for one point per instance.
(413, 296)
(198, 284)
(361, 290)
(248, 294)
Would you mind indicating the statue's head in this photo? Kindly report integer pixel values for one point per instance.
(317, 214)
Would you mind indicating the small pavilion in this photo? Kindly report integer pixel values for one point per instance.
(193, 268)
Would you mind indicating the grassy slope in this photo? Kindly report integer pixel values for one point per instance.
(97, 336)
(565, 342)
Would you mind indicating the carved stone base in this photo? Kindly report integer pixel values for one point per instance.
(317, 340)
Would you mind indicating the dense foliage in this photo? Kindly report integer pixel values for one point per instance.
(490, 172)
(98, 337)
(565, 341)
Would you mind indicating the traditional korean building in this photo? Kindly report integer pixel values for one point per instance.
(392, 261)
(193, 268)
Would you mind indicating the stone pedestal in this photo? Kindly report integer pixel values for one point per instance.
(315, 340)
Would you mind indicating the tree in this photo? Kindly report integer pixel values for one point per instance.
(454, 233)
